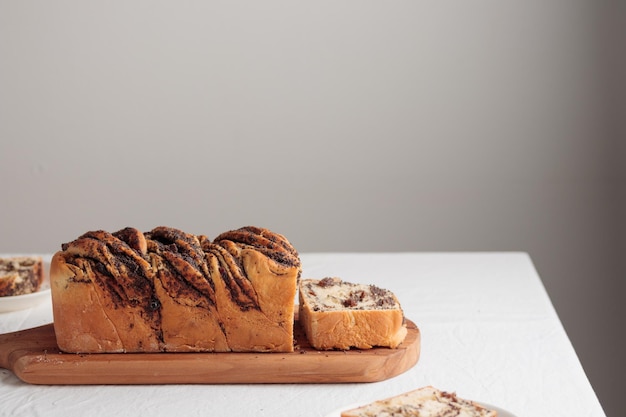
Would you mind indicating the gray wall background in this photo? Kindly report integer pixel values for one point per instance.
(347, 126)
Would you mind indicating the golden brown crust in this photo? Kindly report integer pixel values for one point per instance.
(20, 275)
(81, 323)
(167, 290)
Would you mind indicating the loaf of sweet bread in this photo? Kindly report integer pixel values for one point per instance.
(20, 275)
(340, 315)
(167, 290)
(422, 402)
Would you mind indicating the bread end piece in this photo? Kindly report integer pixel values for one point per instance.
(340, 315)
(80, 322)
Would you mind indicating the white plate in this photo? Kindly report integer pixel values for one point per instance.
(21, 302)
(501, 412)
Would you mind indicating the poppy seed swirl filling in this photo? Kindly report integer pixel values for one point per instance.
(117, 269)
(127, 270)
(138, 278)
(121, 269)
(233, 274)
(181, 266)
(272, 245)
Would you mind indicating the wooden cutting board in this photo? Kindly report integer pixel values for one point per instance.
(34, 357)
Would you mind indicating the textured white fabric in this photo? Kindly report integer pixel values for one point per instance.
(489, 332)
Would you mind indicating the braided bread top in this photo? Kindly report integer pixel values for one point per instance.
(129, 261)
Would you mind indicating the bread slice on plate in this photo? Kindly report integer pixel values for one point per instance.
(20, 275)
(423, 402)
(336, 314)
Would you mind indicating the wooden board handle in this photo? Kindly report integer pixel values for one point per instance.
(16, 344)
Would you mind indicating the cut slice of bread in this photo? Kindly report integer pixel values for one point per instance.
(20, 275)
(341, 315)
(423, 402)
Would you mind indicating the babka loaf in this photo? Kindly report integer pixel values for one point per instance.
(340, 315)
(422, 402)
(167, 290)
(20, 275)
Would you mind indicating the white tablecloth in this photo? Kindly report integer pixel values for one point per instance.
(489, 332)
